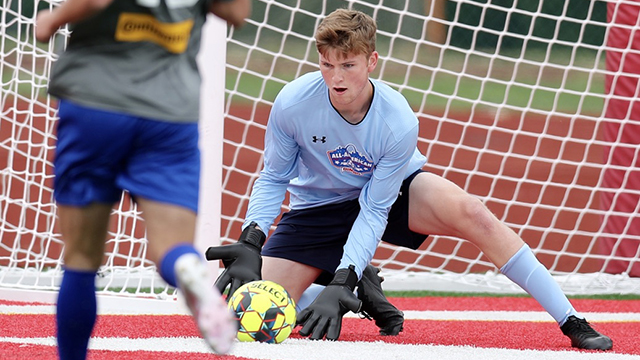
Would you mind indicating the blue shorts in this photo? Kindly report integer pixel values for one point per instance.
(101, 153)
(316, 236)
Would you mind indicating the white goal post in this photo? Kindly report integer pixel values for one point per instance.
(521, 103)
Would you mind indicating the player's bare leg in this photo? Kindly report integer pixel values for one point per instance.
(439, 207)
(280, 271)
(167, 227)
(84, 231)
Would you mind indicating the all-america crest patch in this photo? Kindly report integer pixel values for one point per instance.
(348, 158)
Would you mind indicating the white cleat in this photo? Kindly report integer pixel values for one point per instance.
(217, 324)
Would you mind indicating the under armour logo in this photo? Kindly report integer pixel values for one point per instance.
(322, 139)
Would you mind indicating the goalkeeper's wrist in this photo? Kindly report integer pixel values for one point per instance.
(253, 235)
(346, 277)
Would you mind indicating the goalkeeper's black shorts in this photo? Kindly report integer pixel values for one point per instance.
(316, 236)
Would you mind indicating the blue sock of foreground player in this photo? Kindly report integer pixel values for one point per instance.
(76, 313)
(525, 270)
(168, 262)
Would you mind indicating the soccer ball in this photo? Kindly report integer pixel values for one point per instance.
(265, 311)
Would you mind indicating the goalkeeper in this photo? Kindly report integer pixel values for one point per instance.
(345, 147)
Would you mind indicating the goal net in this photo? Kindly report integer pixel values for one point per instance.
(525, 104)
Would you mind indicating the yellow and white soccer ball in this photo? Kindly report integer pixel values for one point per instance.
(265, 311)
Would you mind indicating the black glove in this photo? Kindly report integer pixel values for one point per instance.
(324, 315)
(242, 260)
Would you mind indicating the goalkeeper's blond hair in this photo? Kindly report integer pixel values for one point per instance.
(350, 32)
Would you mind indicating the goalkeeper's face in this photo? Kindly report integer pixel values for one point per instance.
(347, 77)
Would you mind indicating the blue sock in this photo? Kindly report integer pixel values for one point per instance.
(308, 296)
(168, 262)
(525, 270)
(76, 313)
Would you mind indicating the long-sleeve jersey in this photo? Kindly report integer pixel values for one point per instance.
(320, 158)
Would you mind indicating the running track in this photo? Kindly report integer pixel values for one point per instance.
(438, 328)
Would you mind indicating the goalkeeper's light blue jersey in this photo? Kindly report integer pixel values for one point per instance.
(320, 158)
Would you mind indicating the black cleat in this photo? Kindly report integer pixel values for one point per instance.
(583, 336)
(375, 305)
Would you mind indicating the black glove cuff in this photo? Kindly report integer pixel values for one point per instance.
(346, 277)
(252, 235)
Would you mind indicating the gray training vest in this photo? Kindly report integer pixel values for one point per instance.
(134, 59)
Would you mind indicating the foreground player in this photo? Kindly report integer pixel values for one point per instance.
(128, 87)
(344, 146)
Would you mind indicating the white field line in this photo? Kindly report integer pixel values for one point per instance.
(409, 314)
(296, 349)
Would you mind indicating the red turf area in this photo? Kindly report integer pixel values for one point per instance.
(502, 334)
